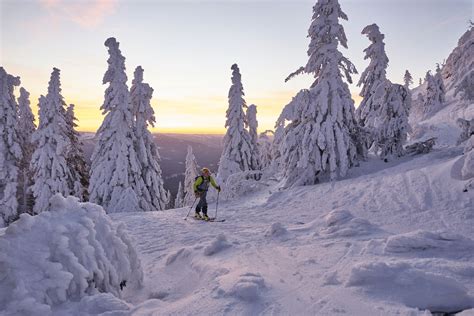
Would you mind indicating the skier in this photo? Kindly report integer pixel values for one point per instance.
(201, 185)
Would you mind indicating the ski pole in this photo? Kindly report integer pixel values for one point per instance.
(217, 203)
(192, 206)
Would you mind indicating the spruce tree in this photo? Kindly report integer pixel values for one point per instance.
(75, 159)
(179, 201)
(435, 93)
(26, 128)
(237, 152)
(392, 121)
(319, 141)
(52, 174)
(372, 77)
(407, 79)
(190, 175)
(252, 125)
(266, 148)
(115, 167)
(10, 148)
(150, 191)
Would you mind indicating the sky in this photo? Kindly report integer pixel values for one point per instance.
(187, 48)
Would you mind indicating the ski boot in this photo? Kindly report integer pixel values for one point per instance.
(205, 217)
(197, 216)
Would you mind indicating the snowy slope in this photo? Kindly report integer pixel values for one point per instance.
(391, 238)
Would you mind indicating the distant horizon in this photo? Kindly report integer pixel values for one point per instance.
(187, 47)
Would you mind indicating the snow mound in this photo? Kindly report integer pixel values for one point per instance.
(103, 303)
(70, 252)
(246, 287)
(181, 253)
(217, 245)
(429, 243)
(276, 230)
(341, 223)
(399, 281)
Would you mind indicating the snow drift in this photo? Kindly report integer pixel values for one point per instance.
(68, 253)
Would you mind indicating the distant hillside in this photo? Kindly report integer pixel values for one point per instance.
(173, 148)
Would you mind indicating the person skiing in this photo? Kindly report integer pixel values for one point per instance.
(201, 185)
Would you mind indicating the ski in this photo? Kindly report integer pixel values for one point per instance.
(211, 219)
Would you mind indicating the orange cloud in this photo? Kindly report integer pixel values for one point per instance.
(86, 13)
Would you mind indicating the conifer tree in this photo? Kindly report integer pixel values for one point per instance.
(10, 148)
(150, 191)
(435, 93)
(392, 121)
(115, 167)
(75, 159)
(237, 153)
(189, 177)
(265, 145)
(252, 125)
(408, 79)
(26, 128)
(372, 77)
(318, 143)
(52, 174)
(179, 201)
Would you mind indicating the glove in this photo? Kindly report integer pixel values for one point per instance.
(218, 189)
(197, 194)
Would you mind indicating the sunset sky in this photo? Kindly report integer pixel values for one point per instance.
(187, 48)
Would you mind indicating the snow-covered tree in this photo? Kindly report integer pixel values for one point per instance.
(179, 201)
(392, 121)
(465, 88)
(459, 68)
(151, 194)
(318, 143)
(169, 200)
(189, 177)
(252, 125)
(26, 128)
(75, 159)
(115, 166)
(237, 152)
(435, 93)
(52, 174)
(420, 82)
(10, 148)
(374, 75)
(266, 148)
(407, 79)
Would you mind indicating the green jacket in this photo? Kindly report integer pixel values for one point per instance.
(202, 183)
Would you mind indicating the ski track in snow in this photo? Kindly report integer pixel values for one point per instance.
(305, 266)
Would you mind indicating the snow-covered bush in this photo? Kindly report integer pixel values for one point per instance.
(70, 252)
(242, 183)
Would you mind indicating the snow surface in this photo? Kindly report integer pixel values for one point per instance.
(390, 238)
